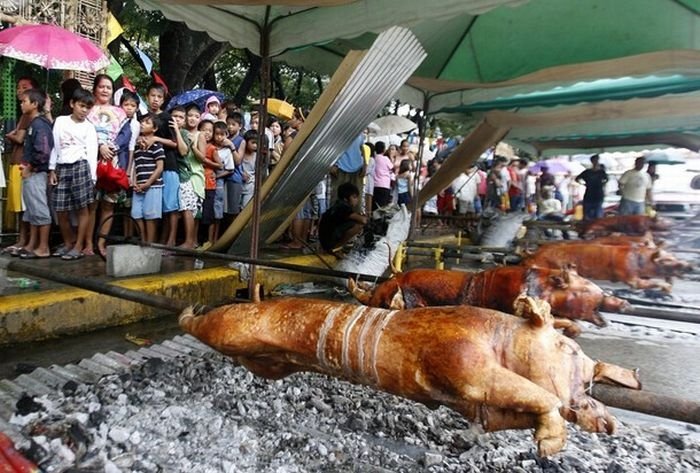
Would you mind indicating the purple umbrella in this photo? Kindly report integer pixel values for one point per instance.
(555, 167)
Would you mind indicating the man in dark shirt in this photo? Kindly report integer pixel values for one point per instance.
(595, 179)
(341, 223)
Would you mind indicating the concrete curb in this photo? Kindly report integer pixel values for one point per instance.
(48, 314)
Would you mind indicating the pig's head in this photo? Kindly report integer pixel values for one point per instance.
(558, 364)
(668, 265)
(573, 296)
(387, 295)
(660, 224)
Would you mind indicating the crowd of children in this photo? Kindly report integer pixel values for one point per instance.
(168, 172)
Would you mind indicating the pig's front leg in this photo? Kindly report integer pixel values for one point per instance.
(639, 283)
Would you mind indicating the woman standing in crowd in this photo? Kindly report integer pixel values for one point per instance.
(107, 119)
(383, 170)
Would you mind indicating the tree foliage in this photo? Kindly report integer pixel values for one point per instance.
(188, 59)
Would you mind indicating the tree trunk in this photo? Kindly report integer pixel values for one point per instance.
(209, 81)
(277, 85)
(251, 75)
(319, 83)
(297, 85)
(186, 55)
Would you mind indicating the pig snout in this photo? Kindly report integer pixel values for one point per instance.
(614, 304)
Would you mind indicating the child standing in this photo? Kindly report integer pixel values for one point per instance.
(14, 176)
(248, 166)
(206, 153)
(404, 182)
(234, 181)
(35, 165)
(124, 145)
(171, 180)
(147, 204)
(73, 169)
(190, 171)
(224, 153)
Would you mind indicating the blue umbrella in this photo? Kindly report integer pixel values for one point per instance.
(197, 96)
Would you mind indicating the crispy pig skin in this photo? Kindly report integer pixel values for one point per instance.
(570, 295)
(634, 264)
(500, 370)
(625, 224)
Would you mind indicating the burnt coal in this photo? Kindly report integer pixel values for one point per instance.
(206, 414)
(26, 405)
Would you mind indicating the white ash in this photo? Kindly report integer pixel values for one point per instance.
(205, 414)
(375, 261)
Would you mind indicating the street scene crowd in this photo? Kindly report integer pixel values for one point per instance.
(181, 176)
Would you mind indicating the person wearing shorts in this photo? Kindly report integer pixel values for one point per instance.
(35, 165)
(73, 171)
(147, 202)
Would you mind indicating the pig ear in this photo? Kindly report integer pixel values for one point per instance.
(537, 311)
(359, 292)
(397, 302)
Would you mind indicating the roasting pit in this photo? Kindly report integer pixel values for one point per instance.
(199, 412)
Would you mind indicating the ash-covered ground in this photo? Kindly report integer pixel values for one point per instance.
(203, 413)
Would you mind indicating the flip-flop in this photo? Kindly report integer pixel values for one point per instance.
(18, 252)
(32, 255)
(60, 251)
(8, 250)
(72, 255)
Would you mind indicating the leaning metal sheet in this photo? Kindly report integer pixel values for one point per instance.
(387, 65)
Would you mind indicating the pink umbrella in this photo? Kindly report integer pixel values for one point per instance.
(52, 47)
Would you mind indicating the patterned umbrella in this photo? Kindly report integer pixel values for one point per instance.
(52, 47)
(198, 97)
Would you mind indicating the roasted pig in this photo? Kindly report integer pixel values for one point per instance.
(640, 266)
(570, 295)
(625, 224)
(500, 370)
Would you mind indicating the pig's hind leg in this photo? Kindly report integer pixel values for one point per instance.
(474, 381)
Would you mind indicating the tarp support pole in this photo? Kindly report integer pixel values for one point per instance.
(478, 141)
(422, 129)
(259, 161)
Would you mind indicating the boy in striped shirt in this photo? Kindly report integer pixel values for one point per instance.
(147, 202)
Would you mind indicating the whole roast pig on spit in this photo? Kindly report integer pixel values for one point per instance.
(625, 224)
(569, 295)
(502, 371)
(638, 265)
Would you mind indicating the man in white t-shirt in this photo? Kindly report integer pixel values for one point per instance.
(635, 186)
(465, 187)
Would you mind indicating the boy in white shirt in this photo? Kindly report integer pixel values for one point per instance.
(73, 170)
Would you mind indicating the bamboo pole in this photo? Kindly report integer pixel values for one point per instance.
(648, 403)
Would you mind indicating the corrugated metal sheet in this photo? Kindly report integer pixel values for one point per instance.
(387, 65)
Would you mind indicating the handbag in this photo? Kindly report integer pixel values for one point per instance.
(109, 178)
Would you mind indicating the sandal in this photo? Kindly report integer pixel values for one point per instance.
(32, 255)
(8, 250)
(72, 255)
(60, 251)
